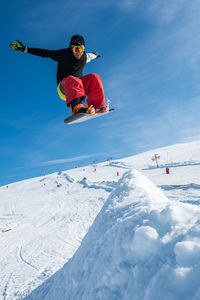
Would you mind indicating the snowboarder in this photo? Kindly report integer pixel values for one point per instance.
(71, 85)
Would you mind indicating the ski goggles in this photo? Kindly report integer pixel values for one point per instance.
(76, 48)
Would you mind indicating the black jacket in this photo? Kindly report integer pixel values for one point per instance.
(67, 63)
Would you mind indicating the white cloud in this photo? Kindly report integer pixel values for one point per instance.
(166, 11)
(64, 160)
(162, 11)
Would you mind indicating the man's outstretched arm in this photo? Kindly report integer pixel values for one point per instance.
(53, 54)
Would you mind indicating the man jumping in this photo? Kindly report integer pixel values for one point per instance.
(72, 86)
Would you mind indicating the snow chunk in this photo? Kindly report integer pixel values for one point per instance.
(145, 242)
(68, 177)
(187, 253)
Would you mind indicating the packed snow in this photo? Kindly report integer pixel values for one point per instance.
(120, 230)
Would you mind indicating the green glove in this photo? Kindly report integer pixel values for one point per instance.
(18, 46)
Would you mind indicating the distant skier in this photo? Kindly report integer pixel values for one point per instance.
(71, 85)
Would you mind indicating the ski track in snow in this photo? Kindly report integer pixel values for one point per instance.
(187, 195)
(48, 217)
(21, 259)
(6, 288)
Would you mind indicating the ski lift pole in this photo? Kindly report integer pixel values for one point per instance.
(155, 158)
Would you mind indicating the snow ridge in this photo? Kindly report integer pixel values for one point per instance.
(135, 249)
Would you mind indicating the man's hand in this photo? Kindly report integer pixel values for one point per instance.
(18, 46)
(98, 56)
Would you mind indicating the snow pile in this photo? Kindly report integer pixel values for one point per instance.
(141, 246)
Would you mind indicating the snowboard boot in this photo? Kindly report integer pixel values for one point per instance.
(77, 107)
(102, 110)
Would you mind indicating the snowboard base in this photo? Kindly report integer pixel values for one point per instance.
(82, 117)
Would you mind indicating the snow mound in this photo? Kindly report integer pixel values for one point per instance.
(135, 249)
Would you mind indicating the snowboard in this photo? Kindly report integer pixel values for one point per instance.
(82, 117)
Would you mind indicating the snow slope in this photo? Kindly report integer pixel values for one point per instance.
(42, 223)
(143, 244)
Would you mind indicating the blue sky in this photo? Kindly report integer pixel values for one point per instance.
(150, 66)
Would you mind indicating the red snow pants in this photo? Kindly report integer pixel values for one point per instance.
(89, 85)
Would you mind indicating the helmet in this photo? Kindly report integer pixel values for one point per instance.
(77, 40)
